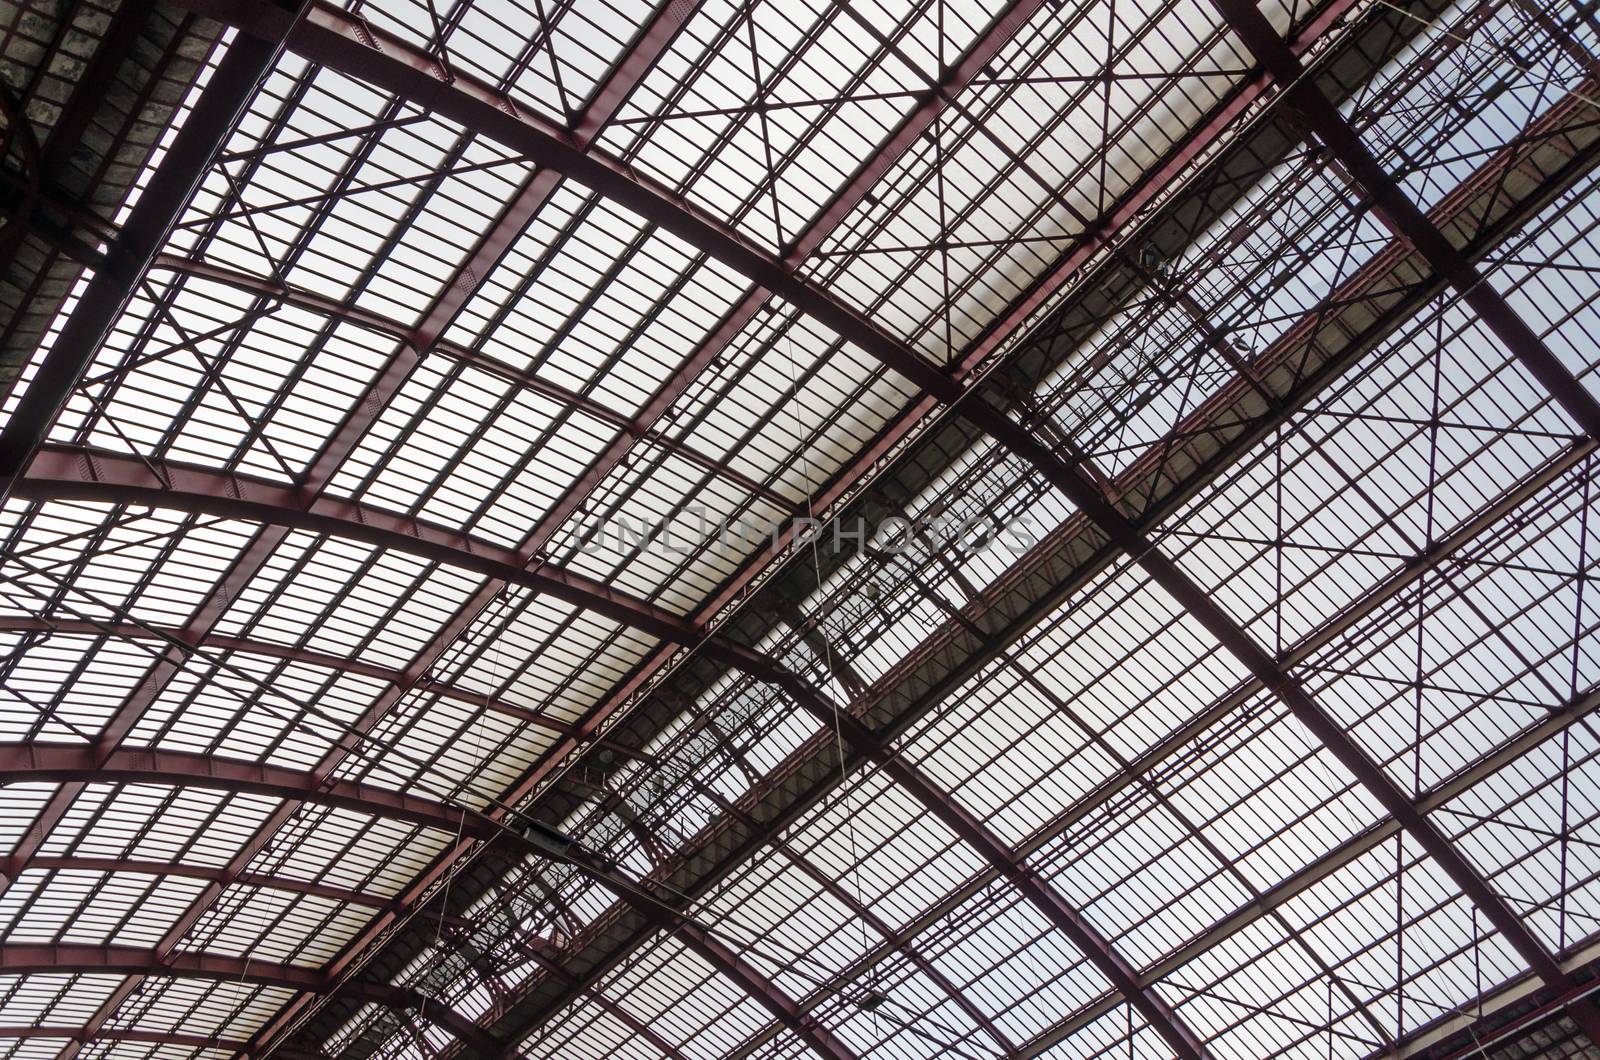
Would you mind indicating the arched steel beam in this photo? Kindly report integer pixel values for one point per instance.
(338, 41)
(125, 1034)
(412, 345)
(138, 867)
(658, 35)
(663, 27)
(69, 473)
(80, 627)
(79, 764)
(333, 39)
(415, 341)
(65, 958)
(1127, 212)
(1078, 544)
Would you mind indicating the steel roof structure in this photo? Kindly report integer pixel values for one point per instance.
(958, 528)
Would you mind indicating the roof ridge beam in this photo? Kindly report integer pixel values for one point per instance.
(85, 959)
(138, 867)
(122, 630)
(60, 472)
(80, 764)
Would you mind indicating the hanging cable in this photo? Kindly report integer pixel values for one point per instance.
(845, 779)
(466, 790)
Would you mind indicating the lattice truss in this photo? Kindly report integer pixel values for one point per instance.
(1249, 711)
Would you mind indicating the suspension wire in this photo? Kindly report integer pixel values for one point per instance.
(466, 786)
(846, 780)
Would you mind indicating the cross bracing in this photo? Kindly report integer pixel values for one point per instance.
(350, 635)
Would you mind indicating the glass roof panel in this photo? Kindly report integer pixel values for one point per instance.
(371, 314)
